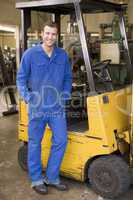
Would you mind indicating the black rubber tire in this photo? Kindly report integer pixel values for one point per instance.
(109, 176)
(22, 157)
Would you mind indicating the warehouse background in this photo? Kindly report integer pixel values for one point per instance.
(14, 183)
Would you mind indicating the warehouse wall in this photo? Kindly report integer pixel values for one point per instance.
(7, 40)
(130, 11)
(94, 20)
(8, 13)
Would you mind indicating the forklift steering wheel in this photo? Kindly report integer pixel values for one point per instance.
(101, 65)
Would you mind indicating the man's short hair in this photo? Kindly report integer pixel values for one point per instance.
(51, 24)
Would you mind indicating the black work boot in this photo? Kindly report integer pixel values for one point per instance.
(41, 189)
(59, 186)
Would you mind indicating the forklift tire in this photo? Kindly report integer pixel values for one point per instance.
(22, 157)
(109, 176)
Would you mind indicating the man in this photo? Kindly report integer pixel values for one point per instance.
(44, 81)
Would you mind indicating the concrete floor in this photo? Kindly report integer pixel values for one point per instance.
(14, 184)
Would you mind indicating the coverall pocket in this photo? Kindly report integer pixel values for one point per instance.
(59, 66)
(39, 71)
(41, 64)
(59, 63)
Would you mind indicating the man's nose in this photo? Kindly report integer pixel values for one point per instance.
(50, 36)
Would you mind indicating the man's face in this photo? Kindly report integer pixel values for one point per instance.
(49, 35)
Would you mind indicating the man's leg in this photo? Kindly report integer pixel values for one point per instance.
(36, 129)
(59, 142)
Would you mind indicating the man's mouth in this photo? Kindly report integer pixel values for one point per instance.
(49, 40)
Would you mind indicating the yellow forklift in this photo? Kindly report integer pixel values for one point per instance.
(100, 134)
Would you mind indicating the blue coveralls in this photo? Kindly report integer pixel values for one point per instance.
(45, 83)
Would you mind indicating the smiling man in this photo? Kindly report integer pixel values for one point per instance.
(44, 81)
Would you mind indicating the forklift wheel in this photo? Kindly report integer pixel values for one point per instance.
(109, 176)
(22, 157)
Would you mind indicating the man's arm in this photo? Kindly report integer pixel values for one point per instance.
(67, 79)
(23, 77)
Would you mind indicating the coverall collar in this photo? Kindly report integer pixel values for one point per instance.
(54, 52)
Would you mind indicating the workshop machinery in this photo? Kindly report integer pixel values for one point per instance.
(8, 88)
(100, 135)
